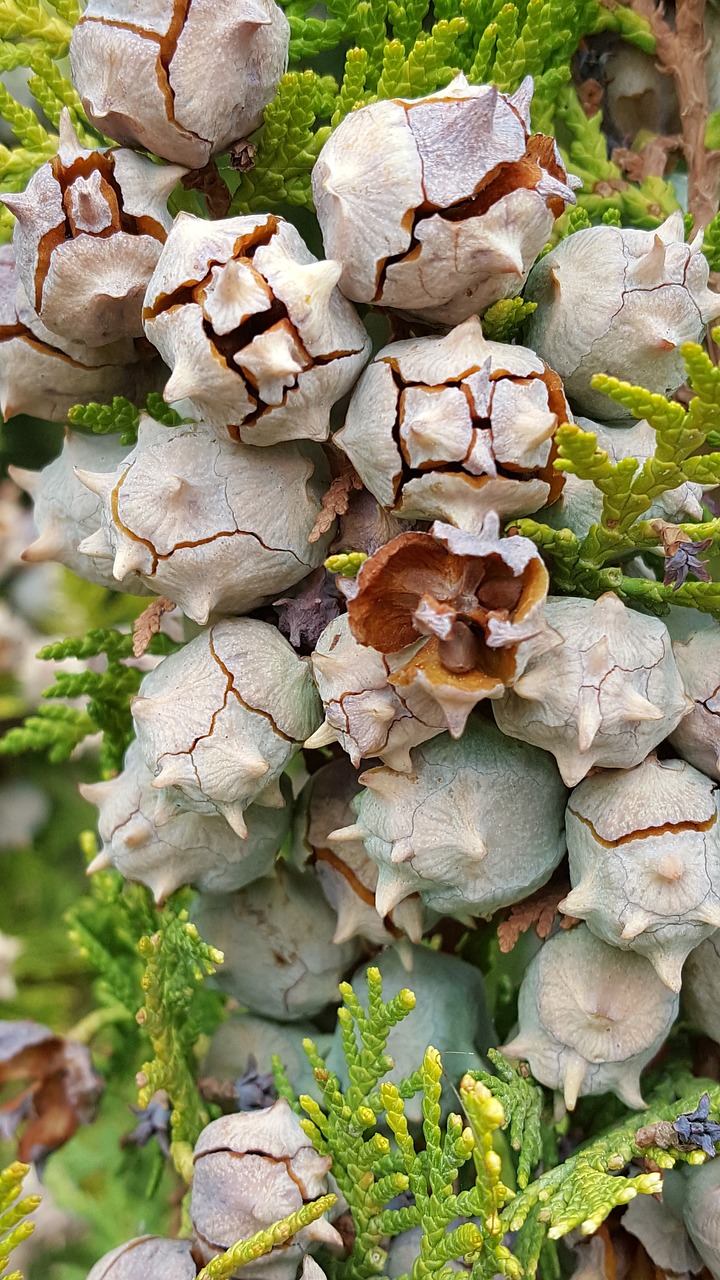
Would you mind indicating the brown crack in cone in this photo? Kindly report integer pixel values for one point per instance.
(418, 586)
(65, 175)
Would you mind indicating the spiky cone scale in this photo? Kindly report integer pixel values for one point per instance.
(45, 374)
(275, 965)
(658, 1225)
(701, 988)
(450, 1014)
(218, 722)
(696, 646)
(188, 515)
(620, 301)
(607, 695)
(89, 230)
(477, 825)
(454, 427)
(698, 1192)
(256, 332)
(579, 506)
(590, 1017)
(147, 1256)
(477, 598)
(410, 200)
(184, 83)
(363, 711)
(66, 512)
(347, 876)
(249, 1170)
(149, 838)
(644, 851)
(244, 1035)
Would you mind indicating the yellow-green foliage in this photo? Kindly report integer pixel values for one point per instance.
(15, 1211)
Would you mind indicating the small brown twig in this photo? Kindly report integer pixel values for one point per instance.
(682, 53)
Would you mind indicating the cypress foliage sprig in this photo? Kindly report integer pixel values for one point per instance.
(176, 963)
(15, 1211)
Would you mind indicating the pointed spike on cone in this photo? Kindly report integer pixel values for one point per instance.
(143, 709)
(629, 1092)
(130, 558)
(573, 768)
(251, 763)
(323, 1232)
(234, 815)
(379, 709)
(636, 707)
(133, 834)
(48, 546)
(576, 903)
(347, 927)
(709, 912)
(19, 203)
(408, 916)
(100, 482)
(96, 546)
(322, 737)
(405, 954)
(162, 886)
(171, 773)
(95, 792)
(589, 718)
(348, 835)
(389, 891)
(668, 967)
(70, 147)
(101, 862)
(634, 925)
(182, 383)
(175, 489)
(650, 267)
(522, 98)
(670, 868)
(531, 685)
(598, 658)
(519, 1048)
(402, 851)
(28, 481)
(672, 230)
(573, 1077)
(380, 781)
(319, 279)
(473, 846)
(510, 264)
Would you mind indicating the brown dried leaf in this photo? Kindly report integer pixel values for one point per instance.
(63, 1093)
(304, 616)
(336, 501)
(538, 911)
(209, 183)
(649, 162)
(148, 624)
(590, 94)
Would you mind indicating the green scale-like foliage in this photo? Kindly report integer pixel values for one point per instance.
(377, 49)
(594, 564)
(15, 1211)
(452, 1171)
(59, 729)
